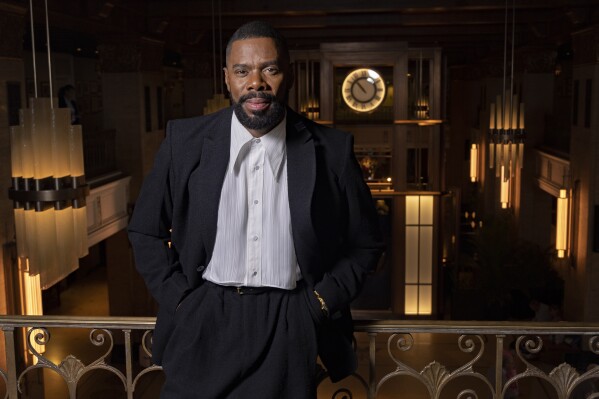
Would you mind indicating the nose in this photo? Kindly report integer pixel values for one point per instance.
(256, 81)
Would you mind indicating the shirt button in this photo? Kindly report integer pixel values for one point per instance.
(254, 274)
(255, 238)
(257, 167)
(256, 201)
(256, 141)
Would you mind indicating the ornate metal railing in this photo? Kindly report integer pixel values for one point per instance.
(494, 357)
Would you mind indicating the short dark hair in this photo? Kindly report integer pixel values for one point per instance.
(257, 29)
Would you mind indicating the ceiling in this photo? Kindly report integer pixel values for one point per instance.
(466, 29)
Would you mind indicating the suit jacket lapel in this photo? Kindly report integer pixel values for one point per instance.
(301, 175)
(211, 174)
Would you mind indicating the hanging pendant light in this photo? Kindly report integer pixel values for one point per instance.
(49, 186)
(218, 100)
(506, 123)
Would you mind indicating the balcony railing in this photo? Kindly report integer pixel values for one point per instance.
(398, 359)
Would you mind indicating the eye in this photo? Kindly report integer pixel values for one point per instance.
(271, 70)
(240, 72)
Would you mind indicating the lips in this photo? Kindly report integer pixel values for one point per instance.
(256, 102)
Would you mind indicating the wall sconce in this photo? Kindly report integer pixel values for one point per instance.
(310, 109)
(561, 234)
(474, 163)
(504, 196)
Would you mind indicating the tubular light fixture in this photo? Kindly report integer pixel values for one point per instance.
(506, 120)
(48, 185)
(474, 163)
(561, 233)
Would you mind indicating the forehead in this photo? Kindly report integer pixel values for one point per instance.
(251, 50)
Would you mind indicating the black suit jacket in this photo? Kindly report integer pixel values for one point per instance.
(334, 223)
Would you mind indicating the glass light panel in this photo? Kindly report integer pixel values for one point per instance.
(65, 230)
(46, 243)
(474, 163)
(412, 254)
(505, 189)
(20, 231)
(61, 125)
(561, 235)
(41, 130)
(425, 300)
(33, 266)
(411, 300)
(426, 209)
(16, 145)
(412, 209)
(426, 255)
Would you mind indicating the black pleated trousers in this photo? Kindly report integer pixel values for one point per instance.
(255, 346)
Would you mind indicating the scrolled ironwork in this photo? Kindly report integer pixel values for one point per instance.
(594, 344)
(465, 392)
(70, 369)
(145, 371)
(401, 339)
(96, 337)
(467, 345)
(4, 376)
(342, 391)
(532, 346)
(148, 335)
(435, 376)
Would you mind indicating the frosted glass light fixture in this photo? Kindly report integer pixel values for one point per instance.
(48, 188)
(48, 191)
(561, 233)
(506, 122)
(474, 163)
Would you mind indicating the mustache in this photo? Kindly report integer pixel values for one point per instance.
(257, 94)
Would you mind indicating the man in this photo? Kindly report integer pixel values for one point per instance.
(254, 231)
(66, 99)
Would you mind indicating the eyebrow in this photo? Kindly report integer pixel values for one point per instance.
(262, 65)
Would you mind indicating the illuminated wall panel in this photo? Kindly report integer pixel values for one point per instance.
(419, 255)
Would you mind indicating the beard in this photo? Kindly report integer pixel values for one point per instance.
(260, 120)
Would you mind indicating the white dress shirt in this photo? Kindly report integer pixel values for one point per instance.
(254, 243)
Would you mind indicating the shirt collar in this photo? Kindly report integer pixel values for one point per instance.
(273, 141)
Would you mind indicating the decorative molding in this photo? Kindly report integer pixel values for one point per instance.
(107, 210)
(553, 172)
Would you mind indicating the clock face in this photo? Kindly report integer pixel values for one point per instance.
(363, 90)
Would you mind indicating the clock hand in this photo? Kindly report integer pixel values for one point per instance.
(360, 86)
